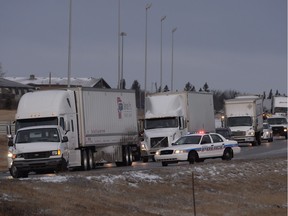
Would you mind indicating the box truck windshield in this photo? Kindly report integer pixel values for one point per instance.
(37, 135)
(22, 123)
(239, 121)
(161, 123)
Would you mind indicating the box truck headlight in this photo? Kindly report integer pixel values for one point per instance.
(250, 133)
(10, 155)
(56, 152)
(143, 147)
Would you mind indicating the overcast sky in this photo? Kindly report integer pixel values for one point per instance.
(230, 44)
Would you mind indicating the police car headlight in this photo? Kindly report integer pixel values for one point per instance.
(157, 152)
(179, 151)
(285, 129)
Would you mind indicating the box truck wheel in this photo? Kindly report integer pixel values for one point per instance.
(145, 159)
(127, 155)
(84, 160)
(15, 173)
(90, 159)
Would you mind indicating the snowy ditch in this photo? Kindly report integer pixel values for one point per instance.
(204, 172)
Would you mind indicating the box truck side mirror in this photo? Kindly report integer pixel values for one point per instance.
(65, 139)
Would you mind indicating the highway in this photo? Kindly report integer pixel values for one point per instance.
(275, 149)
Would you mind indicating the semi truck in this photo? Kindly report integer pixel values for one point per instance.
(280, 105)
(170, 115)
(244, 117)
(75, 128)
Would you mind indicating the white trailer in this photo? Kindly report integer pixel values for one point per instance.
(80, 127)
(244, 117)
(280, 105)
(168, 116)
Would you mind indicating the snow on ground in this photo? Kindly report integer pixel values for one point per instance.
(203, 171)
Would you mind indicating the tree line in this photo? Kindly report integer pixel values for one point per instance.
(218, 95)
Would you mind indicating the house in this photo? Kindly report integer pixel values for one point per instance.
(59, 82)
(11, 92)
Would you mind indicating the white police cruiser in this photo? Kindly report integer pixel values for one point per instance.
(198, 147)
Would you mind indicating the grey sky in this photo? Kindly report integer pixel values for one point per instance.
(230, 44)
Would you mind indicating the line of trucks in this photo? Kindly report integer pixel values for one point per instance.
(85, 127)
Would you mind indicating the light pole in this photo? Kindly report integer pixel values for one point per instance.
(162, 19)
(145, 79)
(173, 30)
(69, 44)
(122, 34)
(118, 37)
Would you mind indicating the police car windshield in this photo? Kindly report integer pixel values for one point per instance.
(195, 139)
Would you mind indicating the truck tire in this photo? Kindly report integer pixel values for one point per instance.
(84, 160)
(145, 159)
(164, 164)
(15, 173)
(63, 166)
(90, 159)
(127, 156)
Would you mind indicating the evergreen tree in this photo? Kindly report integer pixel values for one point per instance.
(188, 87)
(166, 89)
(270, 95)
(206, 87)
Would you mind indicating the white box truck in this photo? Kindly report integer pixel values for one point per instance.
(244, 117)
(80, 127)
(280, 105)
(169, 115)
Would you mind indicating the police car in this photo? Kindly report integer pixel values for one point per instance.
(198, 147)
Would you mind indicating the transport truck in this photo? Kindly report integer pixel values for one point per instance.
(279, 125)
(75, 128)
(170, 115)
(244, 117)
(280, 105)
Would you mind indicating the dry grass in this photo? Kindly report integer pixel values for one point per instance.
(7, 115)
(264, 193)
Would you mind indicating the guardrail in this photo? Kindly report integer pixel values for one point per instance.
(3, 127)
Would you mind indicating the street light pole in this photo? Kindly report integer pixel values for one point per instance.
(69, 44)
(145, 79)
(172, 65)
(122, 34)
(118, 37)
(162, 19)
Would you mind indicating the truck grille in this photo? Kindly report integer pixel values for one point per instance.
(277, 130)
(37, 155)
(166, 152)
(238, 133)
(159, 142)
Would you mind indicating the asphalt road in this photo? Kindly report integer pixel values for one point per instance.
(275, 149)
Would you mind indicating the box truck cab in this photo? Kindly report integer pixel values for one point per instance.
(280, 105)
(168, 116)
(81, 127)
(243, 116)
(45, 130)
